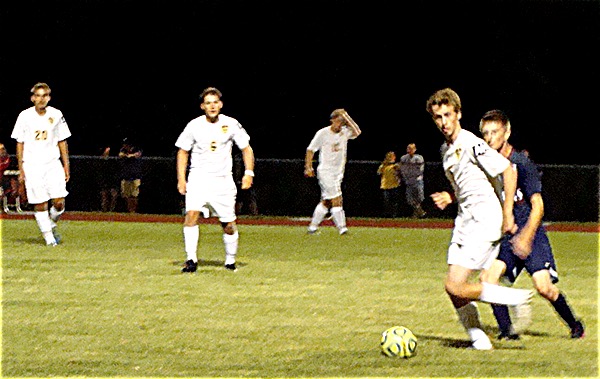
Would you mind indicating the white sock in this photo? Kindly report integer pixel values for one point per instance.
(55, 215)
(45, 226)
(339, 217)
(318, 216)
(469, 318)
(191, 234)
(231, 246)
(495, 294)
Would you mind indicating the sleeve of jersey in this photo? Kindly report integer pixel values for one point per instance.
(315, 144)
(489, 159)
(63, 129)
(241, 137)
(185, 140)
(529, 178)
(17, 132)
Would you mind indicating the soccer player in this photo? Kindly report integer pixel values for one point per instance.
(529, 248)
(41, 133)
(469, 163)
(210, 185)
(332, 144)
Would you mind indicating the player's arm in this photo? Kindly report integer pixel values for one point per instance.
(309, 171)
(19, 153)
(351, 124)
(509, 178)
(64, 156)
(248, 158)
(522, 242)
(182, 162)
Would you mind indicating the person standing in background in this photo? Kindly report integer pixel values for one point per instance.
(108, 182)
(332, 144)
(41, 133)
(131, 172)
(412, 166)
(389, 171)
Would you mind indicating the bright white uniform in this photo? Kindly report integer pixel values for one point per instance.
(470, 165)
(44, 173)
(332, 148)
(210, 180)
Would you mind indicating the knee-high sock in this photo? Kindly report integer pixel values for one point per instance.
(339, 217)
(231, 246)
(564, 310)
(493, 293)
(191, 235)
(502, 318)
(55, 214)
(318, 216)
(45, 226)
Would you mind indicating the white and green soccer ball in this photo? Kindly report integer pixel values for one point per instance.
(398, 341)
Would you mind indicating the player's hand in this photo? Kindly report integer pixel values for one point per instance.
(521, 246)
(441, 199)
(508, 224)
(182, 187)
(247, 182)
(309, 172)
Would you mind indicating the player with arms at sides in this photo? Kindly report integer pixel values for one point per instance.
(42, 154)
(210, 185)
(481, 218)
(332, 144)
(529, 248)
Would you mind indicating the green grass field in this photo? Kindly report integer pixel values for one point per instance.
(111, 301)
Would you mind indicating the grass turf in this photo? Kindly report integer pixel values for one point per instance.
(111, 301)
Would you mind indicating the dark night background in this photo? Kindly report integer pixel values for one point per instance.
(134, 69)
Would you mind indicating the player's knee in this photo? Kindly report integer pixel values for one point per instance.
(229, 227)
(547, 291)
(191, 218)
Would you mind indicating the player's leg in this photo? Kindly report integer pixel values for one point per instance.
(194, 201)
(338, 215)
(230, 240)
(223, 204)
(317, 217)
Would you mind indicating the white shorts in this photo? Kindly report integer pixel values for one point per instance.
(475, 256)
(331, 185)
(43, 183)
(215, 193)
(479, 222)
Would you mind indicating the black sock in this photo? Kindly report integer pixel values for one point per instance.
(502, 318)
(564, 310)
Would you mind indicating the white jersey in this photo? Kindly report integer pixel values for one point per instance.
(40, 135)
(210, 144)
(332, 148)
(471, 166)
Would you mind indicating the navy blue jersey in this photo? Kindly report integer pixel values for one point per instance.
(529, 182)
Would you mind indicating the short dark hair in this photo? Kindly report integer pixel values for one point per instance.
(210, 91)
(495, 115)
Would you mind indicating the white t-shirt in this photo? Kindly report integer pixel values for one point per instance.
(40, 135)
(332, 148)
(210, 144)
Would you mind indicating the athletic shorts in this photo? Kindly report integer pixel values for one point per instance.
(130, 188)
(331, 185)
(216, 193)
(540, 258)
(46, 182)
(475, 256)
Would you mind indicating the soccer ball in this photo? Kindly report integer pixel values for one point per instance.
(398, 341)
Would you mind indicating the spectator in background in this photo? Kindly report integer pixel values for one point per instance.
(108, 182)
(131, 171)
(412, 166)
(389, 171)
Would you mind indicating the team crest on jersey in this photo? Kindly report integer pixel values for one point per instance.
(224, 128)
(458, 152)
(51, 120)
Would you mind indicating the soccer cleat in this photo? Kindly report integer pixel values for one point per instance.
(482, 344)
(312, 231)
(52, 244)
(578, 331)
(231, 267)
(190, 266)
(343, 231)
(508, 336)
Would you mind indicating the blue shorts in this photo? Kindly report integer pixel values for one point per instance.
(540, 258)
